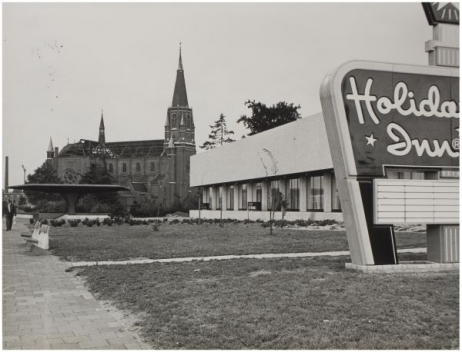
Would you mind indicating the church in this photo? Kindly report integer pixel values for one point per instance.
(156, 170)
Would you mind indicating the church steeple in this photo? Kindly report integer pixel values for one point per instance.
(180, 98)
(179, 123)
(102, 137)
(50, 151)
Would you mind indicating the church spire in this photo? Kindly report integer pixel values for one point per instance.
(50, 151)
(102, 137)
(180, 63)
(180, 98)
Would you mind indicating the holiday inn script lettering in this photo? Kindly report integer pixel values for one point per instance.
(380, 116)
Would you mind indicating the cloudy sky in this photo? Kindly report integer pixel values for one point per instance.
(63, 63)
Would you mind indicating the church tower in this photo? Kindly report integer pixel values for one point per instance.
(50, 151)
(179, 142)
(102, 137)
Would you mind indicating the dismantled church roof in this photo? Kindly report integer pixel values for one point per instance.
(128, 149)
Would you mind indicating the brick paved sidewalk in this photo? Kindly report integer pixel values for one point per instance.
(45, 307)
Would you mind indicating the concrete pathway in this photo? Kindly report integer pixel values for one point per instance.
(45, 307)
(226, 257)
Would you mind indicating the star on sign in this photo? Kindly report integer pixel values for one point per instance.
(371, 140)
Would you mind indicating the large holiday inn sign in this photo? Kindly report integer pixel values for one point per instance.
(381, 115)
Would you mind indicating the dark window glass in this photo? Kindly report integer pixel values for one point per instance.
(293, 194)
(335, 195)
(124, 167)
(315, 195)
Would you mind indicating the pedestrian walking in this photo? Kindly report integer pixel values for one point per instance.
(10, 214)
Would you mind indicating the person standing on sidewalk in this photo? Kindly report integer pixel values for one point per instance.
(10, 214)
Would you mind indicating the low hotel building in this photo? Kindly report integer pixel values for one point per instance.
(236, 180)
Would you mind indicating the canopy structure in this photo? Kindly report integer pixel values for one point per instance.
(70, 192)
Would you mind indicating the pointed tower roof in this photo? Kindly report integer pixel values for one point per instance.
(101, 125)
(180, 98)
(50, 146)
(102, 136)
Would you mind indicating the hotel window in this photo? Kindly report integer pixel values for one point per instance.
(315, 193)
(230, 190)
(111, 168)
(336, 205)
(406, 175)
(258, 192)
(153, 166)
(219, 198)
(293, 201)
(206, 199)
(124, 167)
(243, 197)
(273, 190)
(138, 167)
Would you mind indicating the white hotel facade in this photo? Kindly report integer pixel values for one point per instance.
(236, 180)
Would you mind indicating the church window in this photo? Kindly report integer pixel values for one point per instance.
(174, 119)
(124, 167)
(111, 168)
(138, 167)
(153, 166)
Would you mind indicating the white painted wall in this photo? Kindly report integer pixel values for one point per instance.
(299, 146)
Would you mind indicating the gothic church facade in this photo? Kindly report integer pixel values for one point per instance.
(157, 170)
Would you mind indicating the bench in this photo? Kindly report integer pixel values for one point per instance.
(40, 239)
(27, 235)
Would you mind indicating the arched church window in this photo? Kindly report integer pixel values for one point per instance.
(174, 119)
(124, 167)
(138, 167)
(111, 168)
(153, 166)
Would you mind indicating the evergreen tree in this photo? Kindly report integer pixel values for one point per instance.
(219, 134)
(97, 175)
(101, 201)
(264, 118)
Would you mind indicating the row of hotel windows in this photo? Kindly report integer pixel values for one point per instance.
(291, 192)
(137, 166)
(314, 196)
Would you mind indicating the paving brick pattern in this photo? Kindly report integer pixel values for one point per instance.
(44, 307)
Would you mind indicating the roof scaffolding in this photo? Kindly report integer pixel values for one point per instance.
(129, 149)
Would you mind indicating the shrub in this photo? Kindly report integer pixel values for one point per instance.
(73, 222)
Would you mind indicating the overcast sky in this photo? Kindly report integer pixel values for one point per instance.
(63, 63)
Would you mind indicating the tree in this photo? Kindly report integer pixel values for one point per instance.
(97, 175)
(43, 174)
(265, 118)
(101, 201)
(219, 134)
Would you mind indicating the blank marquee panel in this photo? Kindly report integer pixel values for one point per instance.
(416, 201)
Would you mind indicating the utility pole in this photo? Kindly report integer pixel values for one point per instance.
(24, 173)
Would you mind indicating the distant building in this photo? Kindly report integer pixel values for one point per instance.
(153, 169)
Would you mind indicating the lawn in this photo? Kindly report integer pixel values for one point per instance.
(183, 240)
(297, 303)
